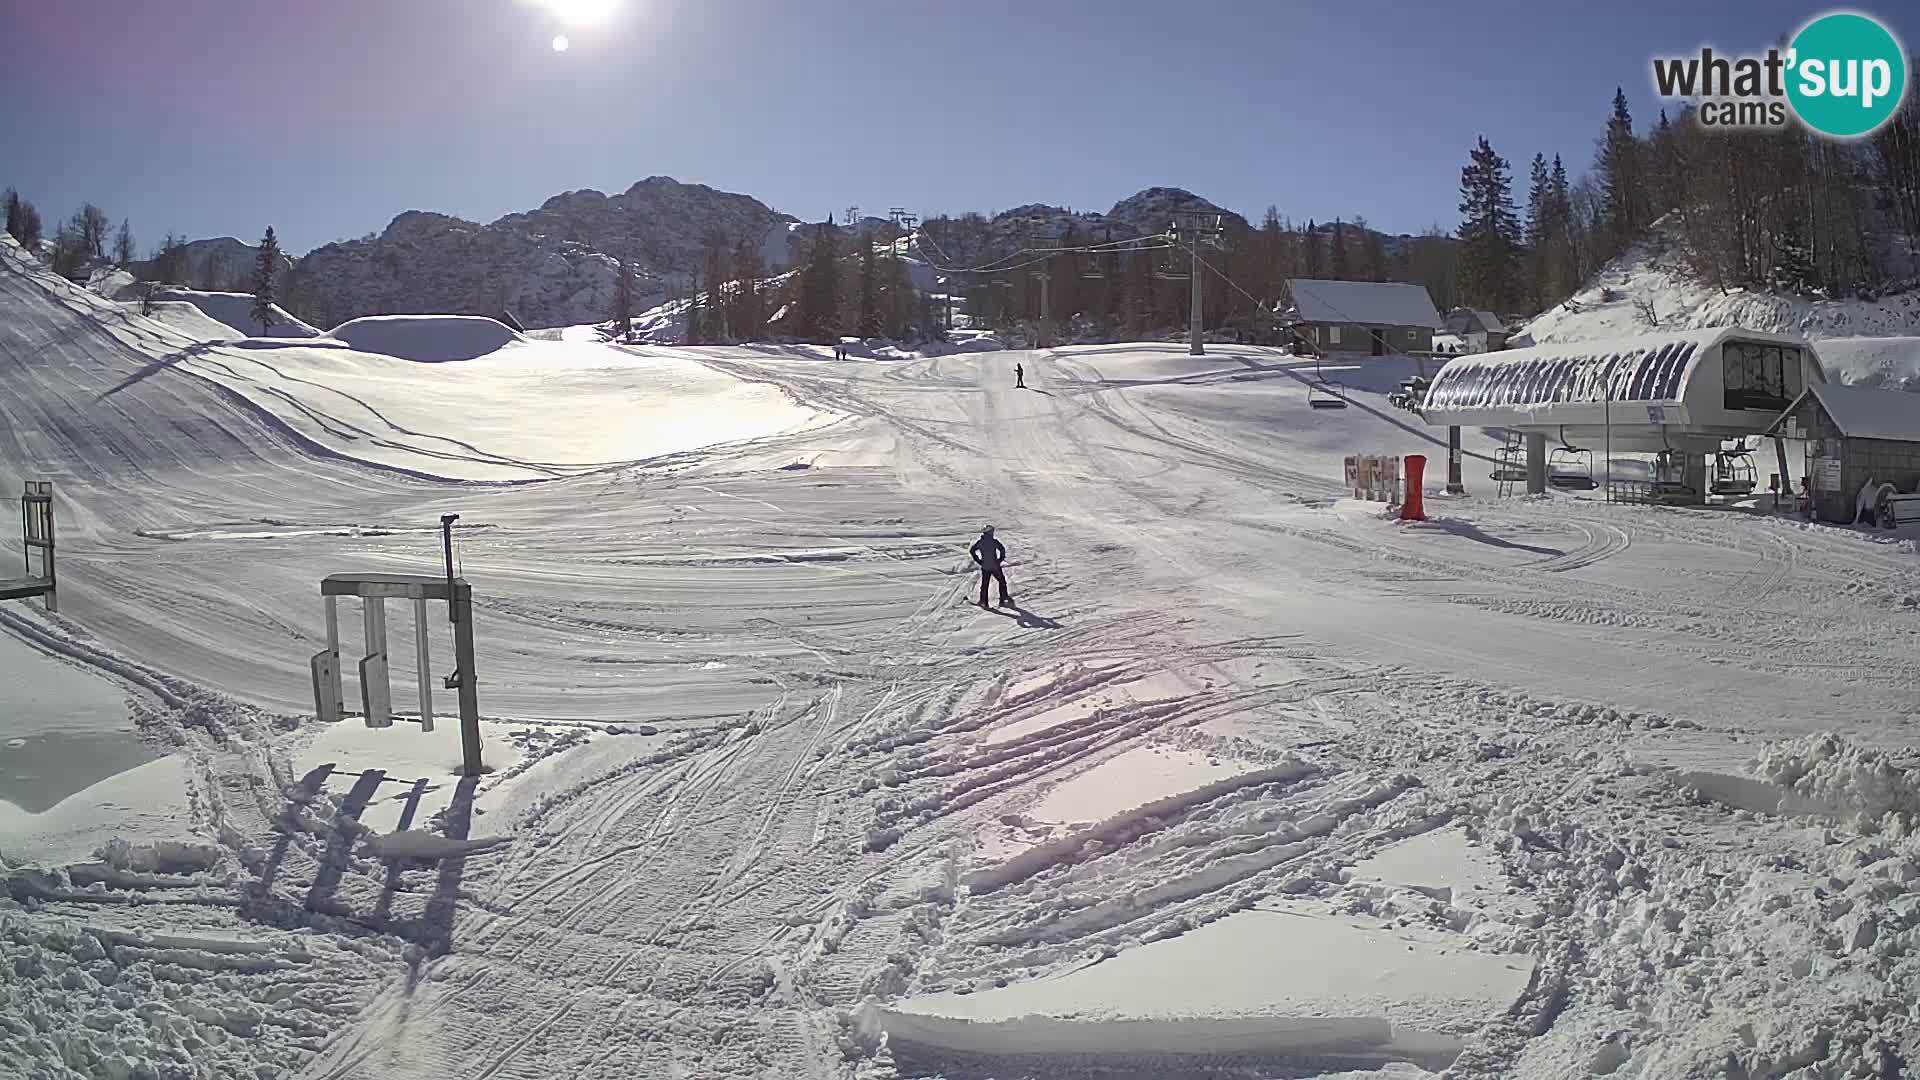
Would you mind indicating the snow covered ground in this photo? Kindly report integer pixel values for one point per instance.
(1253, 781)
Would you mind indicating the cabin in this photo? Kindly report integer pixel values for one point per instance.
(1482, 331)
(1854, 434)
(1371, 317)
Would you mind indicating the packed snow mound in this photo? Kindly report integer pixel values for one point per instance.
(190, 320)
(1855, 781)
(1652, 288)
(429, 339)
(235, 310)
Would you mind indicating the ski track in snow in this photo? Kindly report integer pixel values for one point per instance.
(777, 765)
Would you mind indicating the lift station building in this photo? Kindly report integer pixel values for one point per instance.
(1682, 395)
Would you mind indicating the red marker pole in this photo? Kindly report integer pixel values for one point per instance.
(1410, 507)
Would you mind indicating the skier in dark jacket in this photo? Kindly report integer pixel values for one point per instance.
(1019, 377)
(988, 554)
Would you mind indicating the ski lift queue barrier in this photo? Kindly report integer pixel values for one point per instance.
(1375, 478)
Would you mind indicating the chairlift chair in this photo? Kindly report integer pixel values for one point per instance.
(1322, 394)
(1733, 473)
(1668, 464)
(1571, 469)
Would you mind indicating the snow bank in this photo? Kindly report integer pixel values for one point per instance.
(428, 339)
(235, 310)
(492, 417)
(1346, 988)
(420, 844)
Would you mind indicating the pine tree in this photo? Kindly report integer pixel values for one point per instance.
(1562, 268)
(1489, 229)
(1337, 253)
(1539, 224)
(123, 244)
(266, 268)
(623, 301)
(16, 214)
(1621, 176)
(1311, 258)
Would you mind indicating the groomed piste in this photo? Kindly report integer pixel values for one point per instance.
(1251, 779)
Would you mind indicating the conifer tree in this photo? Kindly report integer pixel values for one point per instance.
(1622, 178)
(623, 301)
(1337, 267)
(1488, 230)
(16, 214)
(266, 269)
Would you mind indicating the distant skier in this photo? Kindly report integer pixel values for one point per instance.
(988, 554)
(1019, 377)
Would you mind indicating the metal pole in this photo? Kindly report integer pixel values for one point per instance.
(1194, 348)
(1454, 484)
(333, 644)
(422, 663)
(461, 601)
(446, 546)
(1536, 463)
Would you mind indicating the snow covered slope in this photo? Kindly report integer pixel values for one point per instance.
(772, 798)
(235, 310)
(1652, 280)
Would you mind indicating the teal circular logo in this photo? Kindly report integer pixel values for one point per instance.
(1846, 75)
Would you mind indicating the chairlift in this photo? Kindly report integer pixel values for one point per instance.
(1733, 473)
(1570, 468)
(1509, 465)
(1322, 394)
(1667, 464)
(1092, 271)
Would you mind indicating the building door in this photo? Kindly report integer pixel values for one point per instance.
(1379, 341)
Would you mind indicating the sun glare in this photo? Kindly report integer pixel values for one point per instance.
(560, 43)
(581, 12)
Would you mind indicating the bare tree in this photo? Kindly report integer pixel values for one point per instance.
(123, 244)
(91, 223)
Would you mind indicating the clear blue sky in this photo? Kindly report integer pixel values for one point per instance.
(328, 117)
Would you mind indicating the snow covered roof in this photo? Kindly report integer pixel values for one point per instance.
(1648, 368)
(1868, 412)
(1366, 303)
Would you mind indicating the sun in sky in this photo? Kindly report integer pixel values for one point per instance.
(560, 43)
